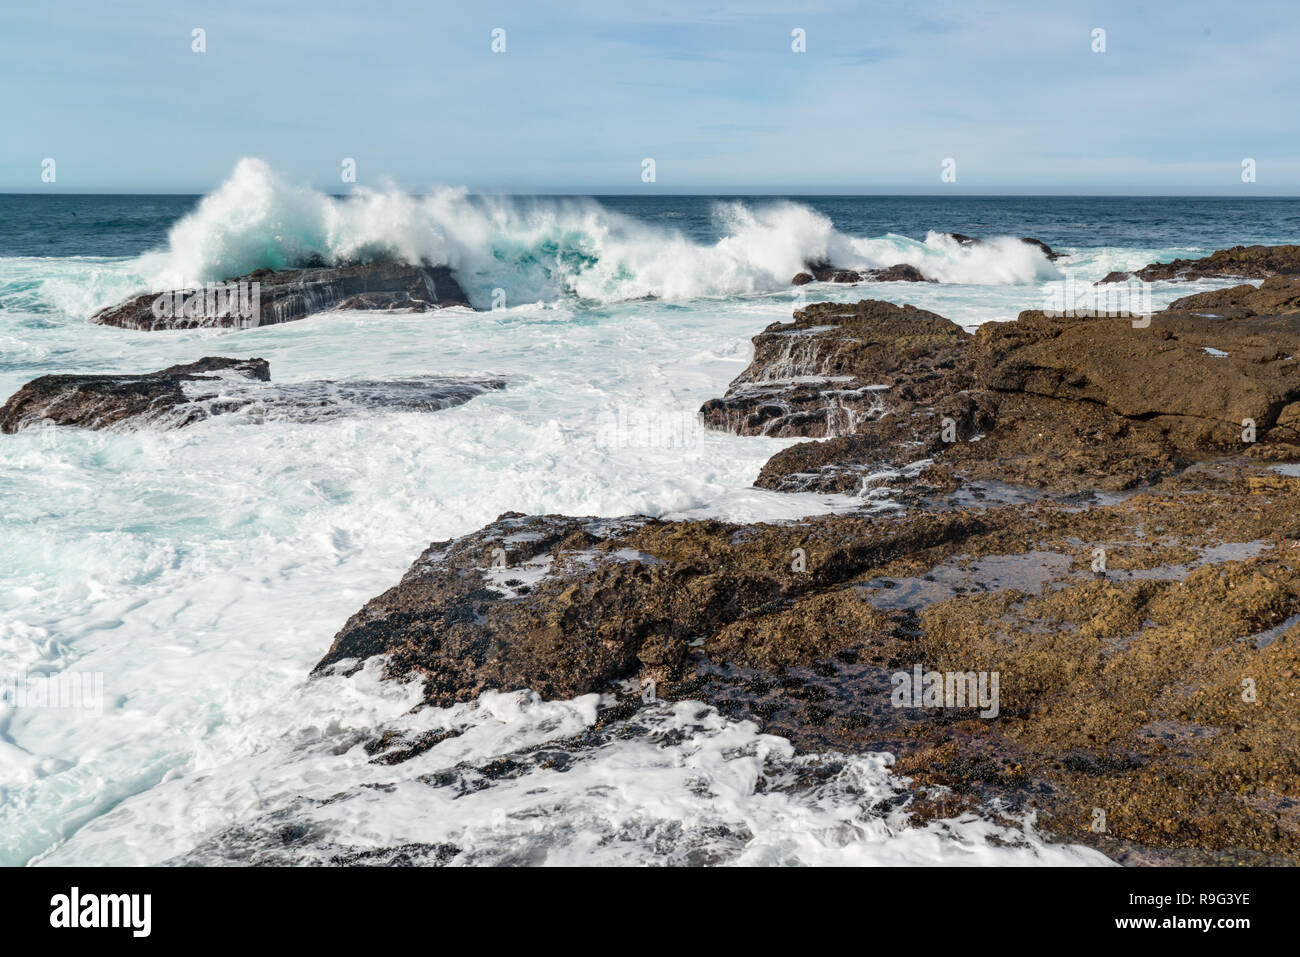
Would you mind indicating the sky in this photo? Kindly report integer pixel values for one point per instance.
(1015, 94)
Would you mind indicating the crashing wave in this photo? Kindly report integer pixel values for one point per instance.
(545, 249)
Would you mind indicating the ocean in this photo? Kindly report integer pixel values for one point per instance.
(196, 576)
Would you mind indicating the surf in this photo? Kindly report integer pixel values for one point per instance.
(543, 249)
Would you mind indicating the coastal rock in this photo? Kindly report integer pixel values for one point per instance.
(103, 401)
(567, 606)
(1277, 296)
(184, 394)
(1065, 404)
(900, 272)
(821, 272)
(1119, 627)
(1244, 262)
(828, 371)
(290, 294)
(1117, 690)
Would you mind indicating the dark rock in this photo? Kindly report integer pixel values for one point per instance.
(1277, 296)
(182, 395)
(1067, 404)
(835, 365)
(606, 599)
(265, 297)
(1047, 250)
(101, 401)
(819, 271)
(900, 272)
(1051, 254)
(1244, 262)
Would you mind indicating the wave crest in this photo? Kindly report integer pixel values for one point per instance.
(545, 249)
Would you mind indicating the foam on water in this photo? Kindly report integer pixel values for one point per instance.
(517, 780)
(543, 249)
(202, 572)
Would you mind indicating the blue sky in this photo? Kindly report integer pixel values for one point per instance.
(1013, 92)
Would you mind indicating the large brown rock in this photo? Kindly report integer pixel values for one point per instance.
(1119, 689)
(1164, 372)
(837, 366)
(568, 606)
(1244, 262)
(1277, 296)
(1061, 403)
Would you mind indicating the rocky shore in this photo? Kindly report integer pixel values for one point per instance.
(268, 297)
(1101, 515)
(181, 395)
(1239, 262)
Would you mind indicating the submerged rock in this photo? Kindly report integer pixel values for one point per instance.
(184, 394)
(1244, 262)
(267, 297)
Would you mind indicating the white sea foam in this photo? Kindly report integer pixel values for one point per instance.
(202, 572)
(514, 779)
(541, 249)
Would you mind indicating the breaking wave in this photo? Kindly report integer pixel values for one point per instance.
(545, 249)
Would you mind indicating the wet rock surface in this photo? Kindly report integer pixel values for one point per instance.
(184, 394)
(290, 294)
(824, 373)
(1073, 404)
(1244, 262)
(1118, 689)
(821, 272)
(1084, 516)
(103, 401)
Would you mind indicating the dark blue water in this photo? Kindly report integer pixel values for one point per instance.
(119, 225)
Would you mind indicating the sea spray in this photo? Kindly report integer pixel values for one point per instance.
(543, 249)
